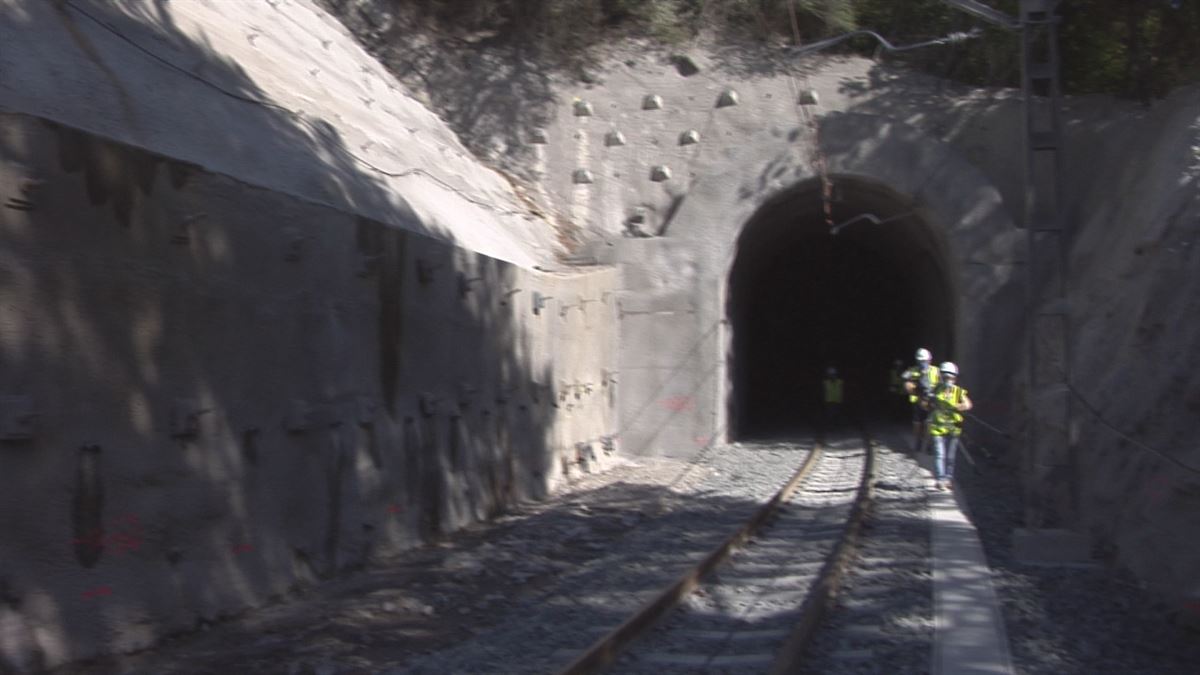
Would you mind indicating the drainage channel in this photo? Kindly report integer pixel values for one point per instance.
(753, 604)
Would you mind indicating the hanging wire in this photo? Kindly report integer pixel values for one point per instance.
(1126, 437)
(810, 120)
(951, 38)
(1103, 422)
(985, 425)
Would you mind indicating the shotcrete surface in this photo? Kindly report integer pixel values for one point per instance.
(255, 90)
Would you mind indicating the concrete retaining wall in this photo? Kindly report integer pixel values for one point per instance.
(262, 320)
(213, 392)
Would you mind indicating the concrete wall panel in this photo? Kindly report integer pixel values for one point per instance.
(237, 392)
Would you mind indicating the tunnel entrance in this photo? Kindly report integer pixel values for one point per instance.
(804, 296)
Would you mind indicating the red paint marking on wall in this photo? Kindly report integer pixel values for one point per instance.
(1158, 488)
(123, 542)
(678, 403)
(242, 548)
(395, 508)
(126, 536)
(97, 592)
(1192, 606)
(93, 539)
(701, 440)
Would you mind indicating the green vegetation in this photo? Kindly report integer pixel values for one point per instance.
(1133, 48)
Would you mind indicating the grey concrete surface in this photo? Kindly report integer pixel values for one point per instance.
(969, 635)
(750, 158)
(238, 359)
(235, 392)
(274, 93)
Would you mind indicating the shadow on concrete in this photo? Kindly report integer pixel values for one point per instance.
(473, 596)
(228, 382)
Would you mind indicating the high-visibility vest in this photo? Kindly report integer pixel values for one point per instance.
(833, 390)
(944, 418)
(926, 381)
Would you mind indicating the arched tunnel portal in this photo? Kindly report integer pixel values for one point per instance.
(804, 296)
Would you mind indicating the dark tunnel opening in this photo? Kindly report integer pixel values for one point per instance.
(803, 298)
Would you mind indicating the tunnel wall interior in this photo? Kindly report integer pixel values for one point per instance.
(857, 292)
(215, 393)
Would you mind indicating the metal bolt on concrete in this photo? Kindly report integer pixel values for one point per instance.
(728, 98)
(614, 139)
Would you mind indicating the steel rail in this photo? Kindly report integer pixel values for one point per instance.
(603, 652)
(829, 580)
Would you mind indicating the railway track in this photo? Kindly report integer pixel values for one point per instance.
(753, 603)
(531, 595)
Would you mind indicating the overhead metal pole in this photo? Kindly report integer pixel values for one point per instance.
(1051, 479)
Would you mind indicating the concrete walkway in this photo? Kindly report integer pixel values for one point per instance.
(969, 630)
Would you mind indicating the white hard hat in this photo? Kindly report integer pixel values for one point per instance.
(949, 368)
(924, 355)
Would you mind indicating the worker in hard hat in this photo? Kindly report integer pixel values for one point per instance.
(919, 383)
(947, 404)
(833, 389)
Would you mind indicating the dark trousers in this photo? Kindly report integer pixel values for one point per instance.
(833, 415)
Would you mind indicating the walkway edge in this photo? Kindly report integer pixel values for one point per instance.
(969, 632)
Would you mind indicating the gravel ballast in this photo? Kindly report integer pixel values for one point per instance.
(526, 592)
(1064, 619)
(884, 612)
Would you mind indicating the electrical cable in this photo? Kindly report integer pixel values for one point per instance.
(808, 119)
(951, 38)
(1099, 418)
(1133, 441)
(985, 425)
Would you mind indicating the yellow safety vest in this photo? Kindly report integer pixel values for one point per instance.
(833, 390)
(929, 379)
(944, 418)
